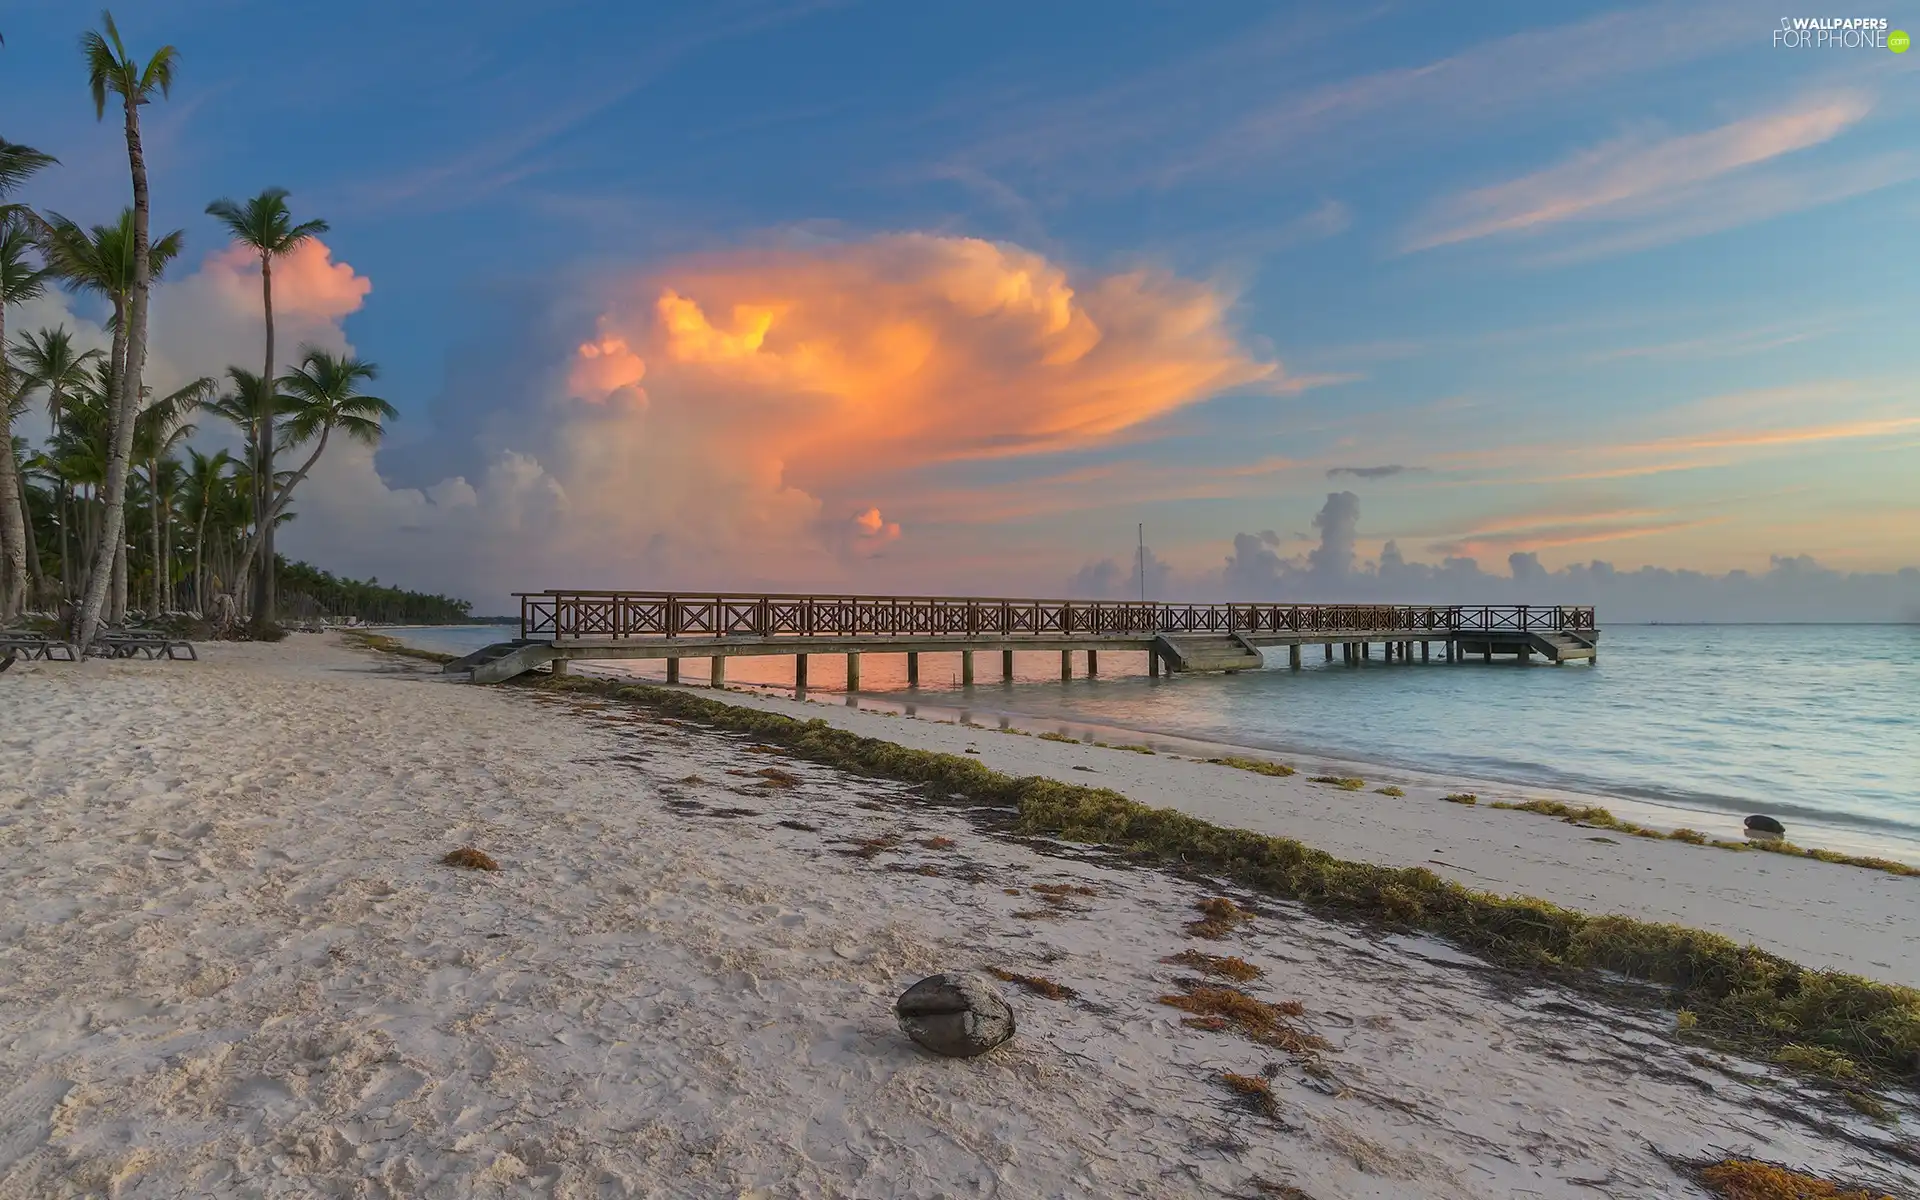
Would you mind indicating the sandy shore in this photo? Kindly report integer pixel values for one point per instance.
(231, 964)
(1821, 914)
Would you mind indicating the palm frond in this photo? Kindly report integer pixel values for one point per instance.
(17, 162)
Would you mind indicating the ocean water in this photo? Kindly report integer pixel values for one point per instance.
(1807, 722)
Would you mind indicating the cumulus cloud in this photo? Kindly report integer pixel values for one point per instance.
(1793, 588)
(757, 416)
(1111, 579)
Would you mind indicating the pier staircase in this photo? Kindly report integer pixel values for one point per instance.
(501, 661)
(1208, 652)
(1561, 646)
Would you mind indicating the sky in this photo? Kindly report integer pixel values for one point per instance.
(1568, 303)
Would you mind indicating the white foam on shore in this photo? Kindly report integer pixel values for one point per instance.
(230, 963)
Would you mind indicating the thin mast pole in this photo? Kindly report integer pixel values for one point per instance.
(1143, 562)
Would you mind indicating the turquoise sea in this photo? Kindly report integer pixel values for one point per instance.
(1812, 723)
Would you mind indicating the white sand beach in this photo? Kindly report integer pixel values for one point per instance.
(231, 963)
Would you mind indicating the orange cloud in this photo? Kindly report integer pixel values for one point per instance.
(603, 367)
(930, 348)
(306, 281)
(784, 383)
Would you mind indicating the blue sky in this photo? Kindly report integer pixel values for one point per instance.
(1620, 283)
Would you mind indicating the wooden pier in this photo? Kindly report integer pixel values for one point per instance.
(561, 627)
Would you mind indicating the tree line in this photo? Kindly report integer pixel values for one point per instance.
(114, 508)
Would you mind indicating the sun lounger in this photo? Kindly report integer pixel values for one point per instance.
(133, 643)
(35, 646)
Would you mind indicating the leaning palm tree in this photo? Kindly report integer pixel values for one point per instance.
(21, 278)
(49, 363)
(319, 396)
(264, 226)
(111, 70)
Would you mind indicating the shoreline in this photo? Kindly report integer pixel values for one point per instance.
(1823, 915)
(1725, 822)
(237, 963)
(1644, 801)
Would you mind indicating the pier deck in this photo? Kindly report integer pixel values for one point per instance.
(559, 627)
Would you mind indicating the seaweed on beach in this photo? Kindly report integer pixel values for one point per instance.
(1036, 984)
(1390, 790)
(1254, 1091)
(1218, 918)
(1467, 798)
(1217, 1008)
(1223, 967)
(1753, 1179)
(1346, 783)
(471, 858)
(1743, 997)
(1258, 766)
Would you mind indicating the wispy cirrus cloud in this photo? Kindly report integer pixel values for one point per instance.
(1636, 176)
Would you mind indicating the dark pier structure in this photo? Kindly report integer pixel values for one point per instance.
(560, 627)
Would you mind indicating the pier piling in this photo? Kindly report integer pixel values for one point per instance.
(719, 679)
(673, 670)
(1293, 656)
(966, 668)
(1093, 663)
(913, 668)
(853, 672)
(1006, 665)
(799, 672)
(1066, 664)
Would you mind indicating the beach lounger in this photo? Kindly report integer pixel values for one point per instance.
(133, 643)
(36, 646)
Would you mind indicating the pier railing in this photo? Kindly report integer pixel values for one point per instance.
(620, 615)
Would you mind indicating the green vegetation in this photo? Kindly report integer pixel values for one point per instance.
(1257, 765)
(1389, 790)
(1345, 783)
(1050, 736)
(310, 592)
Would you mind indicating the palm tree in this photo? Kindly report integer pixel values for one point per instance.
(100, 261)
(250, 405)
(20, 279)
(48, 361)
(264, 226)
(159, 428)
(110, 69)
(319, 396)
(205, 480)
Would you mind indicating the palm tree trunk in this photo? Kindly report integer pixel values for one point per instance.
(200, 560)
(153, 510)
(263, 597)
(13, 537)
(87, 621)
(117, 606)
(36, 578)
(66, 540)
(168, 596)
